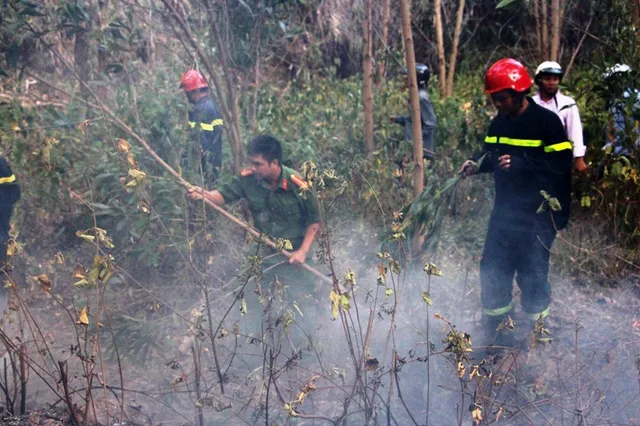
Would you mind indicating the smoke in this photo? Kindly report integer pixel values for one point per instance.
(590, 371)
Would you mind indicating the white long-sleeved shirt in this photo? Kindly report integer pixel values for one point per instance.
(567, 109)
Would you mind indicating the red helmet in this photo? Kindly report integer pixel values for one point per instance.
(507, 74)
(192, 80)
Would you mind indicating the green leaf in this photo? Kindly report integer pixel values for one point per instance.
(504, 3)
(12, 55)
(555, 204)
(32, 12)
(113, 68)
(388, 292)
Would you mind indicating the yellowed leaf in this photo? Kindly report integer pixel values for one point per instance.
(335, 303)
(83, 318)
(123, 146)
(382, 274)
(86, 237)
(344, 301)
(44, 280)
(131, 159)
(432, 269)
(79, 272)
(476, 414)
(426, 297)
(350, 277)
(243, 307)
(83, 126)
(461, 369)
(13, 247)
(388, 292)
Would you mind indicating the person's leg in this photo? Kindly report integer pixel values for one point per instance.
(5, 217)
(497, 270)
(533, 272)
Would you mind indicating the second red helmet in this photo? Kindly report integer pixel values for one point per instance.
(192, 80)
(507, 74)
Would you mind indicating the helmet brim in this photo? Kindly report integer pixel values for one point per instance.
(550, 71)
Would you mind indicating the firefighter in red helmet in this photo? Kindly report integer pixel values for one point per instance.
(205, 122)
(528, 151)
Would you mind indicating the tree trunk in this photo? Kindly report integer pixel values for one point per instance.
(555, 29)
(367, 68)
(454, 50)
(536, 14)
(416, 130)
(232, 99)
(253, 105)
(382, 52)
(101, 11)
(635, 7)
(545, 31)
(440, 40)
(81, 54)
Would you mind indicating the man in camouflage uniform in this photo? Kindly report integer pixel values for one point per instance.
(273, 194)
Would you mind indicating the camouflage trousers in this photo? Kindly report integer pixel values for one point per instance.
(285, 294)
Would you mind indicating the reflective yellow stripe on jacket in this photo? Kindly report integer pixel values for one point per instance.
(558, 147)
(526, 143)
(8, 179)
(207, 126)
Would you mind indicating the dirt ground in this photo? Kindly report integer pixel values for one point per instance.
(588, 374)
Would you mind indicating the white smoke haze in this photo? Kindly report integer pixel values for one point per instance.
(588, 374)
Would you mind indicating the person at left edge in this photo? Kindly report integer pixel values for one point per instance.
(273, 194)
(9, 196)
(205, 122)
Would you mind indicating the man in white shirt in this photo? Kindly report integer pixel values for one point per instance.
(548, 77)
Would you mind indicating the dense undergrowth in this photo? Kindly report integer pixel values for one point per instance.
(163, 253)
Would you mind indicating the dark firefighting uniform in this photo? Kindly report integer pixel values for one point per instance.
(9, 195)
(428, 121)
(206, 123)
(279, 213)
(519, 239)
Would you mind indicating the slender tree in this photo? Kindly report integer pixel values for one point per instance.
(442, 76)
(409, 54)
(454, 50)
(545, 30)
(556, 29)
(384, 40)
(367, 67)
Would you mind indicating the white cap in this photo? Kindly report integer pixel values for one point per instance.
(549, 67)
